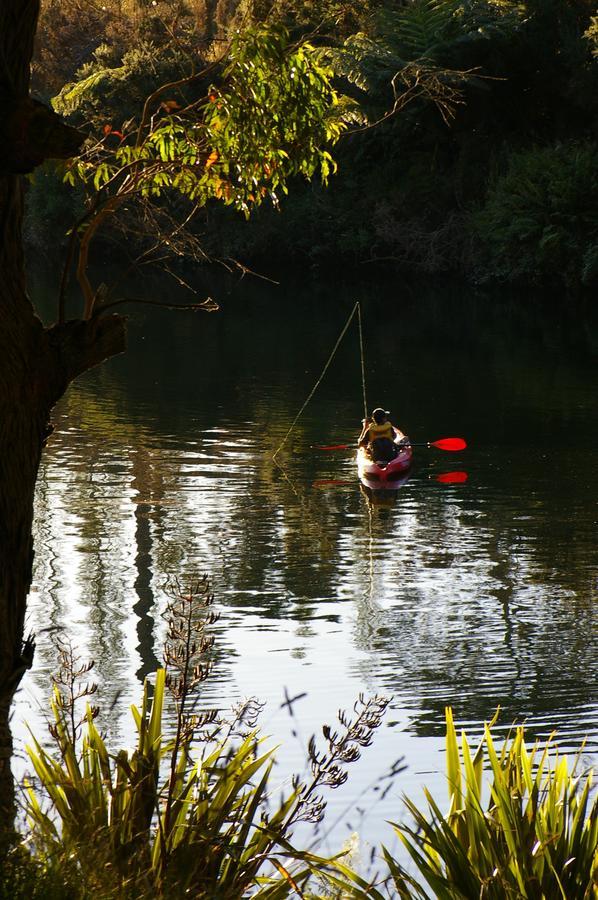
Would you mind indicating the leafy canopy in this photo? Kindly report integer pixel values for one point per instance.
(269, 118)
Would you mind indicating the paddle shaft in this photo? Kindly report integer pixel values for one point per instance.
(449, 444)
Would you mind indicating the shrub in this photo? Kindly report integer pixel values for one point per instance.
(23, 877)
(51, 210)
(169, 818)
(540, 218)
(535, 837)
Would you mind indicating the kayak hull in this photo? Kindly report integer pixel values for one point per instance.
(378, 476)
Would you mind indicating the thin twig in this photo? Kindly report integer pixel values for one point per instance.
(207, 305)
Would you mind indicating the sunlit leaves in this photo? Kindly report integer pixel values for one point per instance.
(101, 175)
(269, 118)
(278, 101)
(71, 95)
(212, 828)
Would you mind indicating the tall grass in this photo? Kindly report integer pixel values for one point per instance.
(536, 835)
(190, 810)
(192, 814)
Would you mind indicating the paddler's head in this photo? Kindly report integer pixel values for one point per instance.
(380, 416)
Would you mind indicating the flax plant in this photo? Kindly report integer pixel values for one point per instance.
(190, 814)
(535, 836)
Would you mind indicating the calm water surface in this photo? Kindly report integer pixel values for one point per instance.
(469, 595)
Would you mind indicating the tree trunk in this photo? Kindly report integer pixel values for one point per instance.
(36, 365)
(21, 437)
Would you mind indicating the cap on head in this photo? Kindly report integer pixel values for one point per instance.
(379, 415)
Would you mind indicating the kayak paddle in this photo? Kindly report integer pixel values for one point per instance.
(452, 478)
(335, 447)
(441, 444)
(445, 444)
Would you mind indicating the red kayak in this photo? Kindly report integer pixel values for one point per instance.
(376, 474)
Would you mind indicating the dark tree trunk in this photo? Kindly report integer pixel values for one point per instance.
(36, 365)
(19, 449)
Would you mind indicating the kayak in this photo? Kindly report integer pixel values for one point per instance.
(377, 475)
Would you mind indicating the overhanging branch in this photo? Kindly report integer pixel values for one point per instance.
(82, 344)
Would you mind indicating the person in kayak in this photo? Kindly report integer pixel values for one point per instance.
(379, 436)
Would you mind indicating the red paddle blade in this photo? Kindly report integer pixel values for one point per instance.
(333, 447)
(449, 444)
(452, 477)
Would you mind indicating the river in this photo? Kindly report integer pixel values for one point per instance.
(472, 594)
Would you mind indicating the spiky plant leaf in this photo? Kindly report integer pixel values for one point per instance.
(537, 836)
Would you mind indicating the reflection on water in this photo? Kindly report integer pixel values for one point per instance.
(472, 591)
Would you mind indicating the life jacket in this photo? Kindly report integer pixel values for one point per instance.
(380, 431)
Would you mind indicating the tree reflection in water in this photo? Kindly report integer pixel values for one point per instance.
(470, 594)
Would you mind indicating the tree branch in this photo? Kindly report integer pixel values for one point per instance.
(82, 344)
(207, 305)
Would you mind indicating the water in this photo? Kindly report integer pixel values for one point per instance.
(470, 595)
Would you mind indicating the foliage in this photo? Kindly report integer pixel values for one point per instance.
(268, 119)
(592, 35)
(422, 26)
(23, 877)
(398, 56)
(327, 18)
(418, 37)
(170, 818)
(536, 837)
(508, 78)
(70, 33)
(50, 209)
(113, 88)
(265, 123)
(540, 218)
(192, 813)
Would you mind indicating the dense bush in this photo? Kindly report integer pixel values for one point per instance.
(192, 809)
(111, 89)
(25, 877)
(51, 210)
(526, 828)
(70, 31)
(540, 218)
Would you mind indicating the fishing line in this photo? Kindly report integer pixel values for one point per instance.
(365, 402)
(356, 309)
